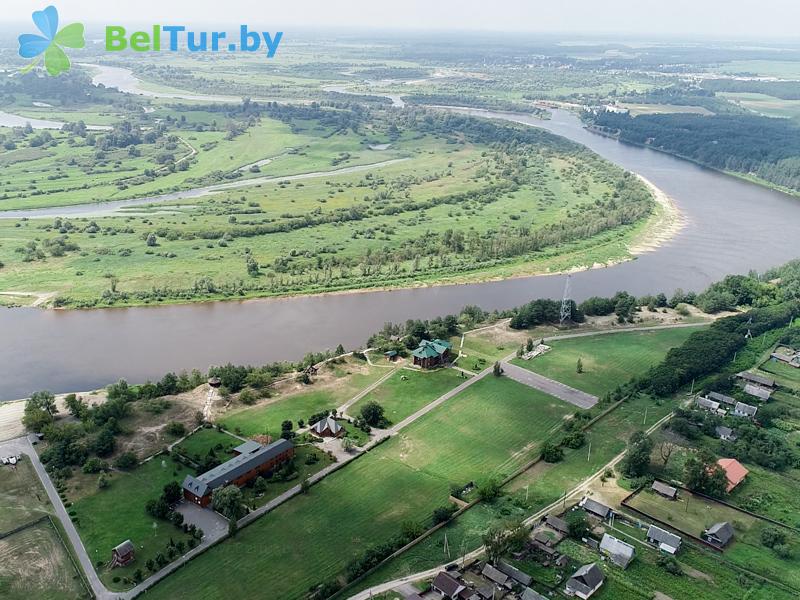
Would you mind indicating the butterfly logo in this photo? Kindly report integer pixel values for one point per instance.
(49, 44)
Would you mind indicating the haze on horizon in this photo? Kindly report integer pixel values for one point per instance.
(768, 19)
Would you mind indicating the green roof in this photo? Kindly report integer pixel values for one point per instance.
(431, 349)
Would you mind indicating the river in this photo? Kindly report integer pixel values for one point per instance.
(733, 226)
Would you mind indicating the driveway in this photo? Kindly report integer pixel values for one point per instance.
(549, 386)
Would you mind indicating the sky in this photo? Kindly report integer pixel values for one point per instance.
(762, 19)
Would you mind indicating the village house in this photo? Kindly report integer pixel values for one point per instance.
(747, 411)
(432, 353)
(758, 392)
(757, 379)
(327, 427)
(664, 540)
(787, 355)
(557, 524)
(447, 586)
(252, 460)
(496, 576)
(585, 581)
(595, 508)
(707, 404)
(726, 434)
(662, 489)
(514, 573)
(719, 534)
(735, 472)
(721, 398)
(529, 594)
(618, 552)
(123, 554)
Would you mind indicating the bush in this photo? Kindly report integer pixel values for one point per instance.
(126, 461)
(669, 564)
(176, 429)
(552, 453)
(443, 513)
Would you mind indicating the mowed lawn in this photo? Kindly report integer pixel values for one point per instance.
(608, 360)
(405, 392)
(201, 441)
(490, 428)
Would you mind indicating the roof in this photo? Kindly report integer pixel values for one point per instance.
(725, 432)
(586, 579)
(594, 507)
(514, 573)
(329, 424)
(707, 404)
(747, 410)
(124, 548)
(620, 552)
(529, 594)
(233, 468)
(413, 597)
(757, 391)
(494, 574)
(247, 447)
(661, 536)
(557, 523)
(447, 584)
(722, 398)
(759, 379)
(722, 531)
(664, 489)
(431, 348)
(390, 353)
(734, 471)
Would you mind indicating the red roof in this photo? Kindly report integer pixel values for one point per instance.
(734, 471)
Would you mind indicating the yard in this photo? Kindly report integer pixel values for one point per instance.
(200, 442)
(22, 498)
(608, 360)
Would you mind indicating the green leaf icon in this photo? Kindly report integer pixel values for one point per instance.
(71, 36)
(55, 61)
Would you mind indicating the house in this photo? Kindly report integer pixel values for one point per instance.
(514, 573)
(757, 379)
(595, 508)
(721, 398)
(734, 471)
(666, 541)
(495, 575)
(237, 471)
(447, 586)
(529, 594)
(786, 355)
(665, 490)
(557, 524)
(431, 353)
(758, 392)
(391, 355)
(726, 434)
(707, 404)
(123, 554)
(585, 581)
(747, 411)
(327, 427)
(620, 553)
(719, 534)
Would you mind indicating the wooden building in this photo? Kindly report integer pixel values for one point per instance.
(432, 353)
(122, 555)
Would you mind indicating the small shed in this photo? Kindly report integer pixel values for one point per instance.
(391, 355)
(726, 434)
(122, 555)
(662, 489)
(596, 508)
(557, 523)
(666, 541)
(719, 534)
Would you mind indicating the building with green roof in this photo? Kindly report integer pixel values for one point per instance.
(432, 353)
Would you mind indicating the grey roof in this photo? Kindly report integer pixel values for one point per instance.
(586, 579)
(725, 432)
(529, 594)
(514, 573)
(722, 398)
(745, 409)
(327, 423)
(233, 468)
(557, 523)
(494, 574)
(594, 507)
(124, 548)
(664, 489)
(722, 531)
(757, 391)
(247, 447)
(755, 378)
(661, 536)
(620, 552)
(707, 404)
(447, 584)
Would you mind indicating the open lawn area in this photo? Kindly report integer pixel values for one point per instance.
(608, 360)
(491, 428)
(110, 516)
(200, 442)
(784, 374)
(22, 498)
(405, 392)
(35, 564)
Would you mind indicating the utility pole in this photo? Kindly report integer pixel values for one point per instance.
(692, 390)
(526, 492)
(644, 421)
(589, 455)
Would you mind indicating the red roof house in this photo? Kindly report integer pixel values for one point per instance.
(734, 471)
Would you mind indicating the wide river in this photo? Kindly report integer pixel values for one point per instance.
(733, 226)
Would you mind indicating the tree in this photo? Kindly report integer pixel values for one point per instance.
(489, 490)
(577, 524)
(260, 485)
(151, 240)
(665, 449)
(172, 492)
(497, 369)
(348, 445)
(102, 481)
(176, 429)
(373, 414)
(76, 406)
(579, 366)
(126, 461)
(637, 459)
(529, 345)
(703, 474)
(228, 502)
(253, 268)
(552, 453)
(501, 540)
(443, 513)
(39, 411)
(305, 485)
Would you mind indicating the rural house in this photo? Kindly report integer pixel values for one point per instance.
(662, 489)
(707, 404)
(734, 471)
(726, 434)
(431, 353)
(748, 411)
(787, 355)
(529, 594)
(721, 398)
(757, 379)
(618, 552)
(495, 575)
(666, 541)
(719, 534)
(595, 508)
(447, 586)
(557, 524)
(327, 427)
(757, 392)
(514, 573)
(238, 470)
(123, 554)
(585, 581)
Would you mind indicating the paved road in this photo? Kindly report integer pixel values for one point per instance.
(549, 386)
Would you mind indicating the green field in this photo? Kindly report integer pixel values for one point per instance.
(110, 516)
(491, 428)
(608, 360)
(406, 391)
(783, 373)
(200, 442)
(22, 497)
